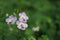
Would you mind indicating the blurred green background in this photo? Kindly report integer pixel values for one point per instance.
(42, 13)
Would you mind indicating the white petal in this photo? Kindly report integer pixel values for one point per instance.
(22, 14)
(18, 27)
(7, 19)
(25, 25)
(18, 22)
(27, 17)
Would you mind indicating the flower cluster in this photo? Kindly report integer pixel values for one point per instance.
(21, 23)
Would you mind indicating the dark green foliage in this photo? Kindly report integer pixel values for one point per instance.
(42, 13)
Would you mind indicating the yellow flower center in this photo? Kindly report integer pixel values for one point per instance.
(12, 20)
(21, 25)
(23, 18)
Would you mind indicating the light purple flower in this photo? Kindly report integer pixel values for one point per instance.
(23, 17)
(11, 20)
(21, 25)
